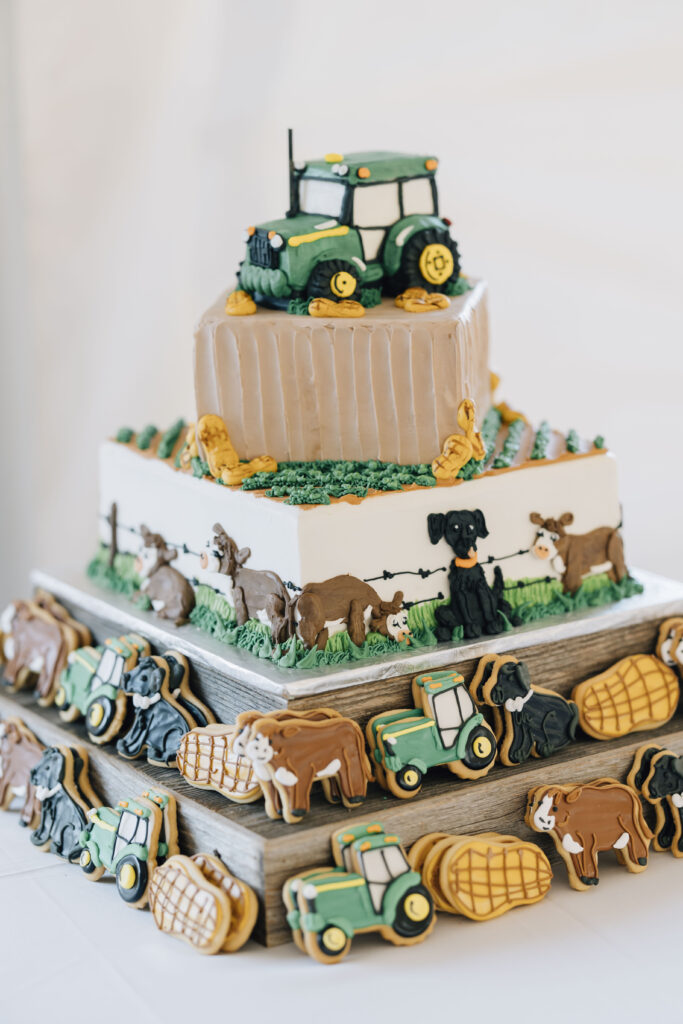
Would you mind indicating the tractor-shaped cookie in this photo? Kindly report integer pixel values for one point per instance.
(444, 727)
(128, 840)
(371, 888)
(89, 685)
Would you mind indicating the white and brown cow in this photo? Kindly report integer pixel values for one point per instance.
(574, 556)
(348, 603)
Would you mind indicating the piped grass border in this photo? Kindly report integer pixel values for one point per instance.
(534, 599)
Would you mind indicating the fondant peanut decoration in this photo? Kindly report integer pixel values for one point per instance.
(222, 458)
(240, 303)
(419, 300)
(328, 307)
(458, 450)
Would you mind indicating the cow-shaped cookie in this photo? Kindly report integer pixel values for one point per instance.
(20, 751)
(295, 754)
(586, 820)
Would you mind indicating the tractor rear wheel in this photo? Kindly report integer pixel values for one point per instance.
(101, 714)
(329, 945)
(414, 914)
(334, 279)
(430, 260)
(480, 752)
(132, 877)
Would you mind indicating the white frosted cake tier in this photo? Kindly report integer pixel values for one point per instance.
(382, 538)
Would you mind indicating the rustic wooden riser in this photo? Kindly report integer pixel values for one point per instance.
(265, 852)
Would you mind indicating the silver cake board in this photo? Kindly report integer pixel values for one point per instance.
(559, 653)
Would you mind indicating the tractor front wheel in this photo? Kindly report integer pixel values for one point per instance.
(406, 782)
(334, 279)
(329, 945)
(88, 866)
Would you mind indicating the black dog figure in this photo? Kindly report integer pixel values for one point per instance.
(62, 818)
(534, 722)
(658, 775)
(473, 605)
(159, 722)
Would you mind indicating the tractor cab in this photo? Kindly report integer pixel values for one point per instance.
(380, 860)
(358, 226)
(447, 701)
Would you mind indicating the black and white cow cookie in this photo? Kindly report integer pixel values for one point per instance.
(657, 774)
(159, 720)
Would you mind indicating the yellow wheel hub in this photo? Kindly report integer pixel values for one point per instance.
(95, 715)
(60, 697)
(85, 858)
(128, 876)
(411, 778)
(417, 907)
(436, 263)
(482, 747)
(334, 939)
(343, 284)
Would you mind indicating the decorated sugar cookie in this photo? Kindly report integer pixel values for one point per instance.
(584, 821)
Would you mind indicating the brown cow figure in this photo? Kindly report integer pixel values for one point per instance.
(19, 752)
(576, 555)
(294, 754)
(35, 644)
(586, 820)
(256, 593)
(346, 602)
(171, 594)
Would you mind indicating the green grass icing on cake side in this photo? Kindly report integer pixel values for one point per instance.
(530, 600)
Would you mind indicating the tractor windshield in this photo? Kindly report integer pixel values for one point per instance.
(381, 866)
(110, 668)
(450, 708)
(323, 197)
(132, 829)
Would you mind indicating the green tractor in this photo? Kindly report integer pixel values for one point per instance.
(444, 728)
(357, 226)
(371, 888)
(128, 840)
(89, 685)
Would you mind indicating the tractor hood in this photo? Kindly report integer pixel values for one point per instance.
(302, 224)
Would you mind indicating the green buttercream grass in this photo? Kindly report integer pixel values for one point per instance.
(315, 483)
(541, 441)
(214, 614)
(510, 445)
(535, 599)
(572, 441)
(458, 287)
(124, 435)
(489, 432)
(146, 436)
(121, 577)
(170, 439)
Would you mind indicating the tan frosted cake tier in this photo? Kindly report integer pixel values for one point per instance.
(385, 386)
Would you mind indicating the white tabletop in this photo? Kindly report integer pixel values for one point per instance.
(70, 950)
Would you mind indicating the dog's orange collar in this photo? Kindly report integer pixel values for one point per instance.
(466, 563)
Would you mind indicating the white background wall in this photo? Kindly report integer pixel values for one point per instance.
(139, 137)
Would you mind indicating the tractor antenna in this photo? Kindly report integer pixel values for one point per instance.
(293, 183)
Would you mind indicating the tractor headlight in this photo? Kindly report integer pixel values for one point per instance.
(341, 169)
(245, 236)
(277, 241)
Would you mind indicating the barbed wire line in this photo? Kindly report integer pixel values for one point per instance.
(387, 574)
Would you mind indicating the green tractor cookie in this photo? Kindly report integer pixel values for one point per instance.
(128, 840)
(444, 728)
(89, 685)
(371, 888)
(358, 226)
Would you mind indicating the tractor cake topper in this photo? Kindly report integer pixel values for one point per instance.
(358, 227)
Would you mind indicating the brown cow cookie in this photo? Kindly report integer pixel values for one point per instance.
(584, 821)
(36, 646)
(292, 754)
(20, 751)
